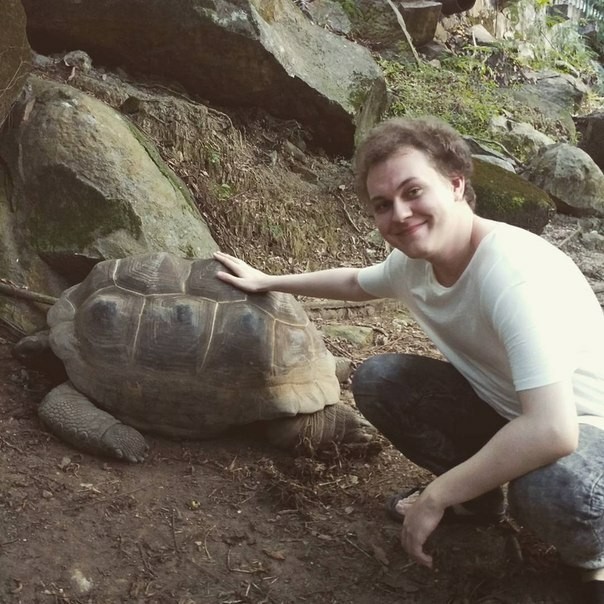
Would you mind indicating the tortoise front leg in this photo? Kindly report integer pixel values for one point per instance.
(75, 419)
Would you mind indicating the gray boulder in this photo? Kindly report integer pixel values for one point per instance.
(85, 186)
(330, 14)
(505, 196)
(552, 96)
(375, 21)
(591, 128)
(571, 177)
(14, 52)
(261, 53)
(519, 138)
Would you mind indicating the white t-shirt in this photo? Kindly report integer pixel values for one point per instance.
(521, 316)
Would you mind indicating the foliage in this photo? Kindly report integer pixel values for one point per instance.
(550, 41)
(462, 97)
(465, 88)
(464, 91)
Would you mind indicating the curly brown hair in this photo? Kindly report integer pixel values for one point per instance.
(442, 144)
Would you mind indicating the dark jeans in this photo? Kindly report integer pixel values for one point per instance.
(430, 413)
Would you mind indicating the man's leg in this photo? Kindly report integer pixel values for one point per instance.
(427, 409)
(563, 503)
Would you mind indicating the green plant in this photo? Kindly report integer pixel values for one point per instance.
(457, 92)
(554, 42)
(223, 191)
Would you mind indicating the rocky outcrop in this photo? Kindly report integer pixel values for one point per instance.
(519, 138)
(571, 177)
(85, 185)
(552, 95)
(503, 195)
(263, 53)
(14, 54)
(591, 128)
(376, 21)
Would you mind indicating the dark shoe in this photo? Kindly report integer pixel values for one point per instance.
(460, 514)
(592, 592)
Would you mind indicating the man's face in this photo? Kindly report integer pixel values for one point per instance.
(413, 204)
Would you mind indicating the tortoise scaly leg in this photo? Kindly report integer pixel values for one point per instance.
(334, 424)
(75, 419)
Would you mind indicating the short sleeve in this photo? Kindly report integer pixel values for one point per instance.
(539, 347)
(378, 281)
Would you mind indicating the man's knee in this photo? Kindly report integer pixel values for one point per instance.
(367, 382)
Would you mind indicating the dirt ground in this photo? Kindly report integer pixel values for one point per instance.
(234, 521)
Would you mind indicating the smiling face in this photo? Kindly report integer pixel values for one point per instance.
(416, 208)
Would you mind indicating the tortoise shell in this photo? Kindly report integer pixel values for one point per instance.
(164, 345)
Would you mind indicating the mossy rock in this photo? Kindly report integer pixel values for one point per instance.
(505, 196)
(14, 52)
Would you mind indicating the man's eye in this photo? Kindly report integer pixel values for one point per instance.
(414, 192)
(380, 207)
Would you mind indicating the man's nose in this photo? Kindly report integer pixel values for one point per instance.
(400, 210)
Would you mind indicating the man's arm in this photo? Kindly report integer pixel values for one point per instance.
(335, 284)
(546, 431)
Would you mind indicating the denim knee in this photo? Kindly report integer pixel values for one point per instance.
(367, 382)
(563, 503)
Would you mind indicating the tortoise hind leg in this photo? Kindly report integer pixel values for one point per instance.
(75, 419)
(335, 423)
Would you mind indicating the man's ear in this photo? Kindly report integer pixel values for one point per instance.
(459, 186)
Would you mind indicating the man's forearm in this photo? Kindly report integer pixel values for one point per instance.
(335, 284)
(518, 448)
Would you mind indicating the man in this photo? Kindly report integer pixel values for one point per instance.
(521, 398)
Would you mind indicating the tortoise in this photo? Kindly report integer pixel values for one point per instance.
(158, 343)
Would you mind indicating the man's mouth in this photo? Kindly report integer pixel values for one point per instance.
(410, 229)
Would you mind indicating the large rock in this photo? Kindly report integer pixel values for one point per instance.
(234, 52)
(375, 21)
(14, 54)
(546, 102)
(505, 196)
(571, 177)
(591, 128)
(519, 138)
(85, 185)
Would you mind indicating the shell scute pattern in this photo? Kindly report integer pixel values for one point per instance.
(162, 343)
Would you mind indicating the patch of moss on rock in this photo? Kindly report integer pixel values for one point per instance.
(505, 196)
(76, 221)
(156, 158)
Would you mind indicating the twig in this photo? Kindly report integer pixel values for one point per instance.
(11, 446)
(359, 548)
(343, 203)
(102, 499)
(569, 238)
(335, 305)
(176, 548)
(205, 542)
(374, 327)
(401, 22)
(497, 143)
(15, 291)
(144, 558)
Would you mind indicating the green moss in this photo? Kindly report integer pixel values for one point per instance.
(464, 99)
(350, 8)
(156, 158)
(505, 196)
(76, 221)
